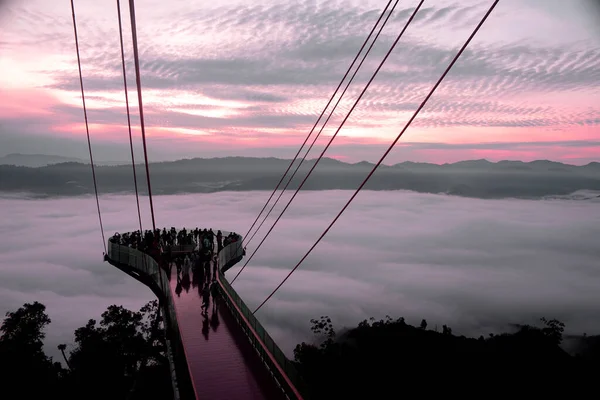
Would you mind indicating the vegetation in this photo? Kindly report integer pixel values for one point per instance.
(390, 358)
(121, 357)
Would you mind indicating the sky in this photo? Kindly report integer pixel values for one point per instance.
(250, 78)
(475, 265)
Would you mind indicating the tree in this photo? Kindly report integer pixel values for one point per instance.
(22, 359)
(553, 330)
(25, 326)
(107, 359)
(116, 349)
(446, 330)
(62, 348)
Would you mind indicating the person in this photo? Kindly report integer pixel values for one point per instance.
(219, 241)
(214, 291)
(186, 265)
(215, 267)
(205, 298)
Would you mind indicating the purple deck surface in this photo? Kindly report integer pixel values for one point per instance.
(222, 362)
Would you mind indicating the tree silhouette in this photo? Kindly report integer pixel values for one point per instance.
(446, 330)
(107, 361)
(553, 329)
(62, 348)
(22, 360)
(387, 358)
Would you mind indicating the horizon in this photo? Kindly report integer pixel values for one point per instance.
(128, 162)
(524, 94)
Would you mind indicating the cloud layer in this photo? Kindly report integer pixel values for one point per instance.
(235, 76)
(476, 265)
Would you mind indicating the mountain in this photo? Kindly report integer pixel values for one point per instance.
(474, 178)
(35, 160)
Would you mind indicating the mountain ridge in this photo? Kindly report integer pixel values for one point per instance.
(470, 178)
(56, 159)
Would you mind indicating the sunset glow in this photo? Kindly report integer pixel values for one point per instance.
(251, 78)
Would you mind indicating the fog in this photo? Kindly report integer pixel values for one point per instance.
(475, 265)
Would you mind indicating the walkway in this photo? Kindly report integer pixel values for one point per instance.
(221, 360)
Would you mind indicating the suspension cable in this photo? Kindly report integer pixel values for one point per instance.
(140, 105)
(386, 152)
(335, 134)
(143, 129)
(315, 125)
(326, 121)
(87, 129)
(137, 198)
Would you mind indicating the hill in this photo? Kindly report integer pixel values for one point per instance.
(35, 160)
(476, 178)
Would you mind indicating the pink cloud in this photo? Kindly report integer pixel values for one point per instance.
(17, 103)
(266, 94)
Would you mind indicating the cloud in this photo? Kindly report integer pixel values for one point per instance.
(245, 69)
(476, 265)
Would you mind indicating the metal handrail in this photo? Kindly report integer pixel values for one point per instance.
(280, 366)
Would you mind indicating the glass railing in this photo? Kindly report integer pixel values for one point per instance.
(145, 264)
(231, 254)
(279, 365)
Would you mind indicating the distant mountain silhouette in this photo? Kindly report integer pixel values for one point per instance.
(472, 178)
(35, 160)
(43, 160)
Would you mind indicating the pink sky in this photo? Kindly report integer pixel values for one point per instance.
(250, 78)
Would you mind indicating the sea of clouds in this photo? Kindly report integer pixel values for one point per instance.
(476, 265)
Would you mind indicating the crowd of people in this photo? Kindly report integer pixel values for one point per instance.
(163, 241)
(186, 250)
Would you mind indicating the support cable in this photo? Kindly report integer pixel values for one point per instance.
(386, 153)
(315, 125)
(87, 129)
(143, 129)
(137, 198)
(140, 105)
(323, 127)
(334, 135)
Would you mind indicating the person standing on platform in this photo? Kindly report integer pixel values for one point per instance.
(214, 291)
(205, 299)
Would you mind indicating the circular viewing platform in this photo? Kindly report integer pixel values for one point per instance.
(224, 248)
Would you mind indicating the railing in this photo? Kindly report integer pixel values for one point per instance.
(279, 365)
(231, 254)
(146, 265)
(185, 248)
(275, 360)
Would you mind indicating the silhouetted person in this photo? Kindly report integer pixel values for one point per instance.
(219, 242)
(200, 274)
(205, 327)
(215, 265)
(185, 282)
(214, 291)
(214, 320)
(196, 278)
(178, 287)
(205, 299)
(178, 265)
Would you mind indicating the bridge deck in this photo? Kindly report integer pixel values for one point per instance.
(222, 363)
